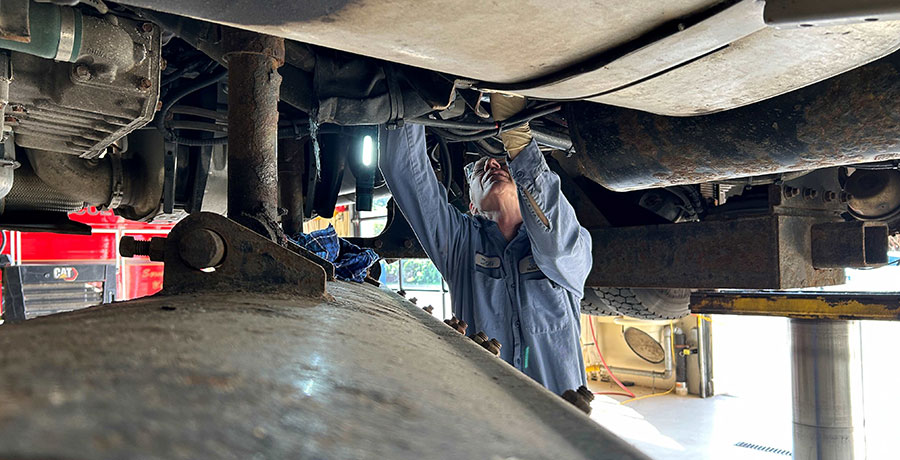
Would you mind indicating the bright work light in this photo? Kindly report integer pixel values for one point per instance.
(368, 149)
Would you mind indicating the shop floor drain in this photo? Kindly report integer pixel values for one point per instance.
(771, 450)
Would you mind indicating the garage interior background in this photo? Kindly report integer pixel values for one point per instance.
(747, 385)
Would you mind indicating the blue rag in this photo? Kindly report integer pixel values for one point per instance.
(351, 262)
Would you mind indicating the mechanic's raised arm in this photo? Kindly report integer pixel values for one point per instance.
(420, 197)
(560, 245)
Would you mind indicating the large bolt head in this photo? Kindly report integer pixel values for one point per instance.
(128, 247)
(202, 249)
(157, 249)
(82, 72)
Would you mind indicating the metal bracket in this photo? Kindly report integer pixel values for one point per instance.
(208, 252)
(849, 244)
(760, 252)
(396, 241)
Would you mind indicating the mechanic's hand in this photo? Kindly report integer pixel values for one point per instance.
(504, 106)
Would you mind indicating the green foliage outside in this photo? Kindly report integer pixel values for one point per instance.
(416, 273)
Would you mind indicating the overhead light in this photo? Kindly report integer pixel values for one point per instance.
(368, 151)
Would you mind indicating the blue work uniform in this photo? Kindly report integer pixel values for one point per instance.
(526, 293)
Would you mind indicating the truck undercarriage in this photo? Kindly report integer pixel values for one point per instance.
(705, 145)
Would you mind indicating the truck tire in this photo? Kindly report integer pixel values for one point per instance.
(641, 303)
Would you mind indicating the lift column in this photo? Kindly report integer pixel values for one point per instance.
(827, 389)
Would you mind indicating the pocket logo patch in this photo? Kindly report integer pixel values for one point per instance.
(484, 261)
(527, 265)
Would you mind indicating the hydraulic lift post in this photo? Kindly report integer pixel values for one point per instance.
(826, 375)
(826, 364)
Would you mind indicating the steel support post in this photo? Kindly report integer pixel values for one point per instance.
(290, 183)
(827, 389)
(253, 86)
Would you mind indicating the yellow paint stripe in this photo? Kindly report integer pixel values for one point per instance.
(795, 307)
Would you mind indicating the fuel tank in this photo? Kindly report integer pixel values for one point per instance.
(358, 372)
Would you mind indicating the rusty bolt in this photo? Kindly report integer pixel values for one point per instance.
(585, 393)
(147, 27)
(452, 322)
(461, 327)
(201, 249)
(413, 300)
(155, 248)
(401, 293)
(791, 192)
(18, 108)
(492, 346)
(145, 84)
(429, 309)
(830, 196)
(479, 338)
(810, 193)
(82, 72)
(159, 105)
(577, 399)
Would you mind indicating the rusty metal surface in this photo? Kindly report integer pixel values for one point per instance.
(874, 195)
(248, 262)
(844, 120)
(238, 376)
(849, 244)
(763, 252)
(809, 305)
(253, 88)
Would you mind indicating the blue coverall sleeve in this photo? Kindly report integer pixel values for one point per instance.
(560, 245)
(420, 197)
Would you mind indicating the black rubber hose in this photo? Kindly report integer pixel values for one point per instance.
(446, 163)
(182, 92)
(451, 124)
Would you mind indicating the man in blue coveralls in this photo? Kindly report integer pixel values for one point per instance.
(516, 267)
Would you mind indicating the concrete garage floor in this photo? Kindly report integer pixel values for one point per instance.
(757, 371)
(688, 427)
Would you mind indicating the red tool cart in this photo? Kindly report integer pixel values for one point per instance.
(76, 271)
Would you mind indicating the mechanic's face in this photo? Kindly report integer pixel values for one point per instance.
(490, 184)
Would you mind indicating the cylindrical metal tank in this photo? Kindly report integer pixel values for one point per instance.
(358, 373)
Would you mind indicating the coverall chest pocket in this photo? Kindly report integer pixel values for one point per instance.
(488, 289)
(546, 307)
